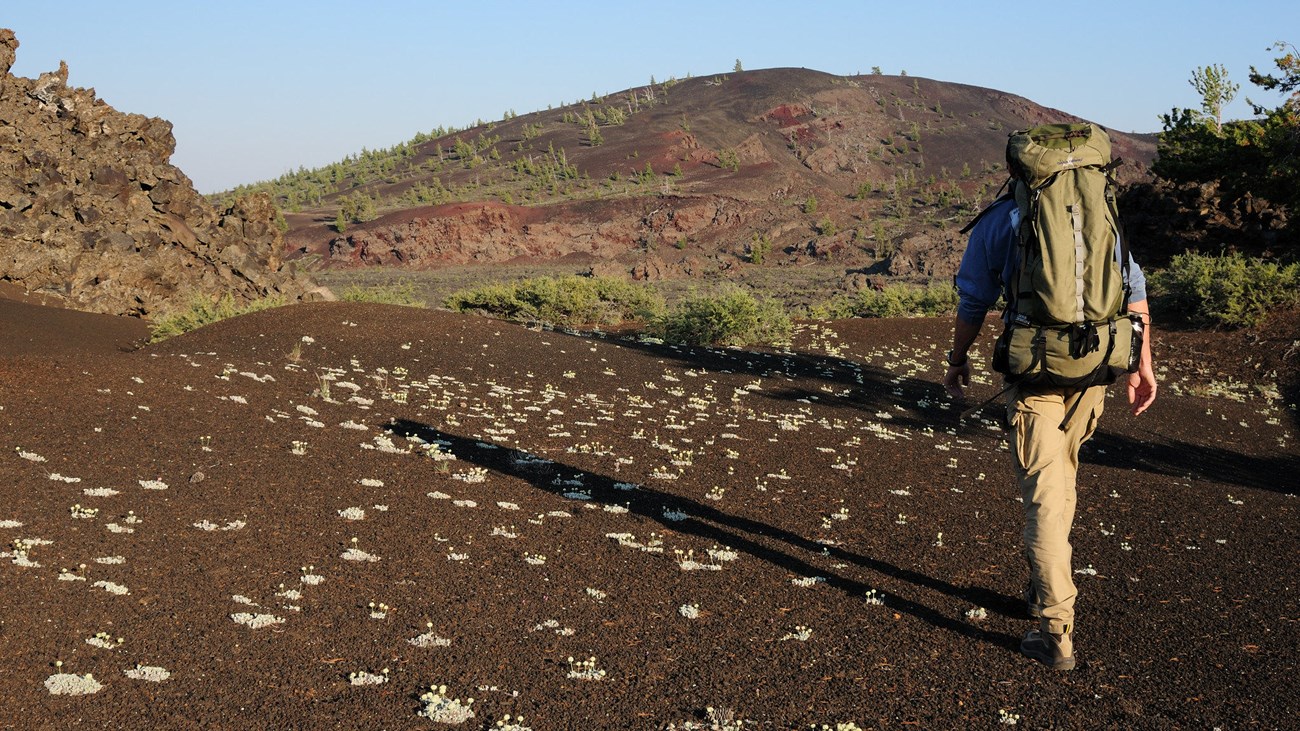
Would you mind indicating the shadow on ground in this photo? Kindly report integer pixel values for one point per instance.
(1174, 458)
(752, 537)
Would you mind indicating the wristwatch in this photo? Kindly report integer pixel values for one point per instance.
(948, 359)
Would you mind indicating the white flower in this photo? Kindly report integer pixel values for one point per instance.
(441, 709)
(356, 554)
(365, 678)
(72, 684)
(800, 634)
(428, 639)
(256, 621)
(150, 673)
(112, 588)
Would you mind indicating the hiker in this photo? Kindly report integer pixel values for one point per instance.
(1049, 415)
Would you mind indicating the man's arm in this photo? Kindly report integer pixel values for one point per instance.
(1142, 383)
(957, 377)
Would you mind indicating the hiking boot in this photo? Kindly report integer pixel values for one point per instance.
(1032, 606)
(1056, 651)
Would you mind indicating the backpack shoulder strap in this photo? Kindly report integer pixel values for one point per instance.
(1001, 197)
(1112, 195)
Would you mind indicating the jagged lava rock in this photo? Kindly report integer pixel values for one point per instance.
(93, 213)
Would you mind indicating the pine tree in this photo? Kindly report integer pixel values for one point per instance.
(1216, 91)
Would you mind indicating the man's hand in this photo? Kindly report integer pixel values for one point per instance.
(1141, 388)
(1142, 382)
(956, 379)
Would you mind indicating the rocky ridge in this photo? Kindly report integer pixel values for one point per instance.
(95, 217)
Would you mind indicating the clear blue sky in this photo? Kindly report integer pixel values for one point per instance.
(256, 89)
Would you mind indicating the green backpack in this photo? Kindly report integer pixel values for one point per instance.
(1067, 321)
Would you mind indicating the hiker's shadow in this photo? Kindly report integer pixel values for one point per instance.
(800, 377)
(1176, 458)
(741, 534)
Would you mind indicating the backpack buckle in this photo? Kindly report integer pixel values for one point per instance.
(1084, 339)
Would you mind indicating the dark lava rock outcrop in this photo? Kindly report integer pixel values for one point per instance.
(92, 212)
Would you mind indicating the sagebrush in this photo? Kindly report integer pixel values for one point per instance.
(1227, 291)
(895, 300)
(203, 310)
(398, 293)
(571, 301)
(732, 317)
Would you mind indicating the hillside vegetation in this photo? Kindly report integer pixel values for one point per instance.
(719, 177)
(866, 178)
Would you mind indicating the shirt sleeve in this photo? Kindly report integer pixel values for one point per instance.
(979, 279)
(1133, 276)
(1137, 281)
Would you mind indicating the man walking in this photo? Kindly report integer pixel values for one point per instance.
(1048, 425)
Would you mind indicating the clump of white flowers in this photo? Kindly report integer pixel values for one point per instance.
(256, 621)
(365, 678)
(801, 633)
(148, 673)
(429, 639)
(352, 513)
(475, 474)
(584, 669)
(72, 684)
(441, 708)
(104, 640)
(356, 554)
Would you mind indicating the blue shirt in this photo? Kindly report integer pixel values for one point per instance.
(990, 262)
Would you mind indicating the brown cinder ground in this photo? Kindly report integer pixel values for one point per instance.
(623, 486)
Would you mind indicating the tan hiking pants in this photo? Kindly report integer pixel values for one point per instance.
(1046, 460)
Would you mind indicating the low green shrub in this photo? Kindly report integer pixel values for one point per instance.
(895, 300)
(398, 293)
(1230, 291)
(733, 317)
(203, 310)
(570, 301)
